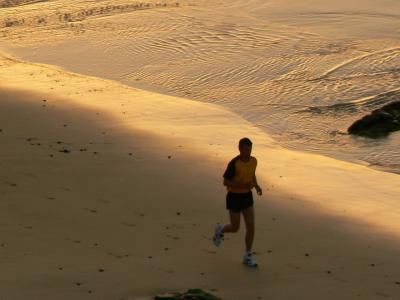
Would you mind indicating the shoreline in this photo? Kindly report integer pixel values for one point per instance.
(165, 91)
(166, 116)
(344, 216)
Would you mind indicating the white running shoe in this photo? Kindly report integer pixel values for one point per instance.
(249, 260)
(217, 238)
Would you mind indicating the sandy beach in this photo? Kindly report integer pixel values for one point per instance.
(99, 176)
(109, 191)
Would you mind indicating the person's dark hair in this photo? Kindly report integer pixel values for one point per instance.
(245, 141)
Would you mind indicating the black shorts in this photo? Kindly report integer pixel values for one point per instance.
(239, 201)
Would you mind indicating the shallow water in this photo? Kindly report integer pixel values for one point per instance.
(303, 75)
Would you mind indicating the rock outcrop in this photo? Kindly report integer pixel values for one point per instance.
(379, 123)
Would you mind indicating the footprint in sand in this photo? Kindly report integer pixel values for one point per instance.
(128, 224)
(116, 255)
(173, 237)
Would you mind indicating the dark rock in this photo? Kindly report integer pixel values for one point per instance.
(379, 123)
(193, 294)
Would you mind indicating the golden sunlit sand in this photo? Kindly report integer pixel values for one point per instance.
(113, 192)
(109, 191)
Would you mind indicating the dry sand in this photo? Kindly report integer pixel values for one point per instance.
(110, 192)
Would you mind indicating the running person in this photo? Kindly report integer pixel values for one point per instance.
(239, 179)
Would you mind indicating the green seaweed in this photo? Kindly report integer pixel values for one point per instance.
(190, 294)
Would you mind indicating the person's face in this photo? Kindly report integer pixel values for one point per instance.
(245, 151)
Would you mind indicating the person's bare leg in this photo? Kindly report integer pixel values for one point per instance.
(235, 222)
(248, 215)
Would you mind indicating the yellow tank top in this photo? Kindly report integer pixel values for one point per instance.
(240, 171)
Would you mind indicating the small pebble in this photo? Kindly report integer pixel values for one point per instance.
(307, 254)
(101, 270)
(169, 156)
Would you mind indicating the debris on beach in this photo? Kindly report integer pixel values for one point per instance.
(192, 294)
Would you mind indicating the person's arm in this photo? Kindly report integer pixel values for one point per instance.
(258, 188)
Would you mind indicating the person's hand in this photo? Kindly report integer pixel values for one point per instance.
(259, 190)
